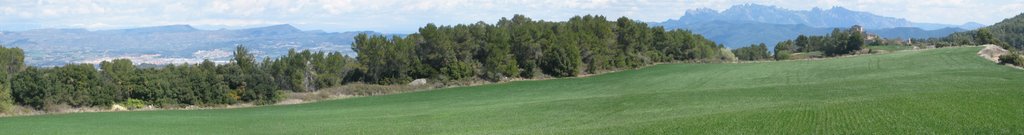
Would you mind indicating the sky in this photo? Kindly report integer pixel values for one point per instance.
(405, 16)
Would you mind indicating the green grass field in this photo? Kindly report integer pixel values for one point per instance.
(944, 91)
(890, 48)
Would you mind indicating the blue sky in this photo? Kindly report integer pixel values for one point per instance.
(405, 16)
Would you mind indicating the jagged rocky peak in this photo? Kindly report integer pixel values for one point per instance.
(701, 11)
(839, 8)
(753, 7)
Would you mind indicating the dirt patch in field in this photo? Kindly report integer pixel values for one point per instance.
(290, 101)
(992, 52)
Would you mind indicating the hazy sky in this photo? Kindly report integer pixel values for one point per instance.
(404, 16)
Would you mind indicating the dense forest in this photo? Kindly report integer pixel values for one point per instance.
(513, 48)
(523, 48)
(206, 83)
(1006, 33)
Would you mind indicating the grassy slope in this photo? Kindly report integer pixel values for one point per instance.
(890, 48)
(938, 91)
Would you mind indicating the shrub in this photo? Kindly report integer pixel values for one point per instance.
(132, 103)
(782, 55)
(4, 107)
(166, 103)
(1012, 58)
(57, 107)
(6, 103)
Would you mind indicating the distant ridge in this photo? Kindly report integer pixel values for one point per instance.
(746, 24)
(173, 43)
(155, 29)
(816, 17)
(272, 30)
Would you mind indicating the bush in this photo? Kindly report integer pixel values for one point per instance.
(57, 107)
(782, 55)
(561, 61)
(6, 101)
(134, 104)
(166, 103)
(1012, 58)
(5, 107)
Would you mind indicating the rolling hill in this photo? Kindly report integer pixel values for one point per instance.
(1010, 31)
(167, 44)
(939, 91)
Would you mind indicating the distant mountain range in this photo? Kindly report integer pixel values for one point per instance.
(167, 44)
(816, 17)
(746, 24)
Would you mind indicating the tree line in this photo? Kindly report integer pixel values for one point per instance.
(206, 83)
(513, 48)
(523, 48)
(838, 42)
(753, 52)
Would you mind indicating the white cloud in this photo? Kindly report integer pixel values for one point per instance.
(298, 6)
(240, 7)
(7, 10)
(224, 22)
(1018, 7)
(585, 4)
(93, 26)
(338, 6)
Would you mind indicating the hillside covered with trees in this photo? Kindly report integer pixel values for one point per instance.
(513, 48)
(206, 83)
(524, 48)
(1008, 34)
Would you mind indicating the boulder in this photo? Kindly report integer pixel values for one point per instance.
(420, 81)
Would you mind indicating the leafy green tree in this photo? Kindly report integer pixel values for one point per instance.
(854, 42)
(803, 44)
(253, 82)
(784, 49)
(753, 52)
(119, 75)
(984, 36)
(563, 58)
(12, 60)
(839, 42)
(31, 87)
(498, 59)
